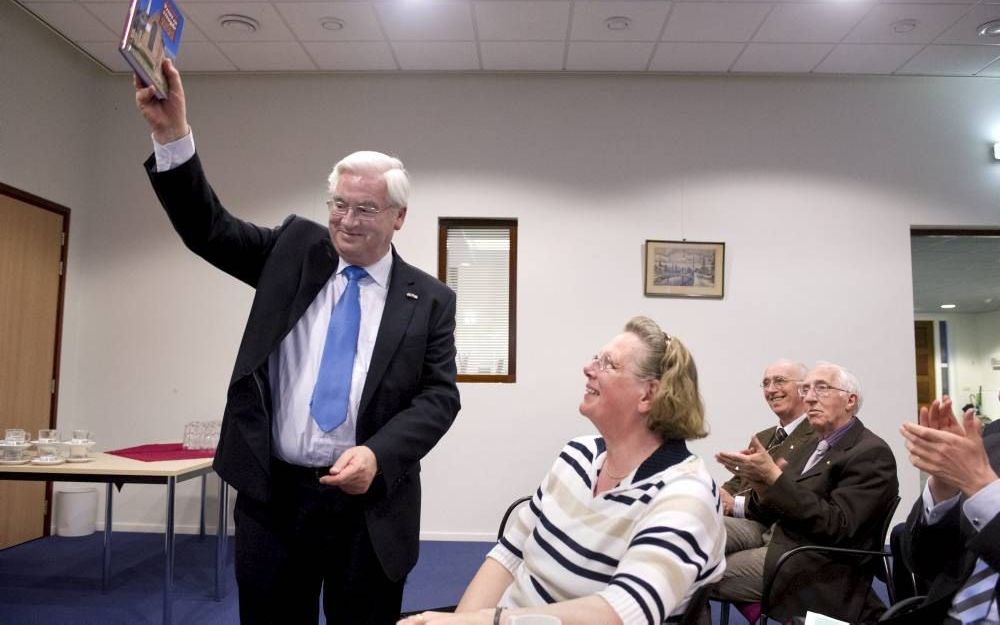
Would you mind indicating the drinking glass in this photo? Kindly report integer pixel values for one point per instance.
(48, 436)
(15, 435)
(82, 436)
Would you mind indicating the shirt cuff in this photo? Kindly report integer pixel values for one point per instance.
(983, 506)
(934, 511)
(505, 558)
(174, 154)
(739, 506)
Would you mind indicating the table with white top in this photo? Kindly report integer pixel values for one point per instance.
(112, 470)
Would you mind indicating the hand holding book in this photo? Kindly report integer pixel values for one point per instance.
(167, 118)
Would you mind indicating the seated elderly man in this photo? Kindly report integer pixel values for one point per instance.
(952, 537)
(837, 495)
(746, 537)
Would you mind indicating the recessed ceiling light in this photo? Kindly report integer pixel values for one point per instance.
(947, 306)
(618, 22)
(988, 300)
(237, 22)
(989, 29)
(902, 27)
(331, 23)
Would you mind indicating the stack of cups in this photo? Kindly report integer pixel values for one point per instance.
(202, 435)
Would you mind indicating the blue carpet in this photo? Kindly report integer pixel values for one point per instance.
(57, 580)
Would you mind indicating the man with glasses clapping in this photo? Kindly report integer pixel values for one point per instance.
(746, 537)
(836, 493)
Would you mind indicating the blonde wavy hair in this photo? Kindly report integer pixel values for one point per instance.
(678, 411)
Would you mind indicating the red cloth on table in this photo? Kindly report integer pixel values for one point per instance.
(162, 451)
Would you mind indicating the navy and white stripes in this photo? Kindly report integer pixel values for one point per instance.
(643, 546)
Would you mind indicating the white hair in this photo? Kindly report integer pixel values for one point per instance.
(397, 181)
(800, 368)
(846, 381)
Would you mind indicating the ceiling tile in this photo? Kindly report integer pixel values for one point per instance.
(951, 60)
(607, 56)
(781, 57)
(967, 3)
(107, 55)
(966, 29)
(927, 21)
(646, 20)
(522, 55)
(694, 57)
(304, 20)
(202, 56)
(714, 21)
(267, 56)
(74, 21)
(848, 58)
(520, 20)
(432, 20)
(112, 16)
(206, 17)
(355, 56)
(992, 70)
(811, 23)
(444, 55)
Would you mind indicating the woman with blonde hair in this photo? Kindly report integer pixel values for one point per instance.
(626, 525)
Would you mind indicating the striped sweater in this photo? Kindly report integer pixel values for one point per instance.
(644, 546)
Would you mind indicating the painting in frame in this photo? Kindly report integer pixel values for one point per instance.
(685, 269)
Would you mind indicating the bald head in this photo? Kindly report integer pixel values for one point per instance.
(781, 391)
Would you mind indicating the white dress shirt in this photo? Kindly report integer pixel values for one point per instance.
(294, 366)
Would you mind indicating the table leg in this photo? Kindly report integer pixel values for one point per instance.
(106, 568)
(221, 538)
(168, 580)
(201, 518)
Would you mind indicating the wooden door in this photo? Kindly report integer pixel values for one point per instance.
(32, 257)
(923, 332)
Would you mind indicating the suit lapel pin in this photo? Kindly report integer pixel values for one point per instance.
(412, 295)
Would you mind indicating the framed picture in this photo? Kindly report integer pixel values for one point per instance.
(685, 269)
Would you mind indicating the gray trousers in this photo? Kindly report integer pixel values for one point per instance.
(746, 546)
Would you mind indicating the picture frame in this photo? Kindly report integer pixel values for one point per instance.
(684, 269)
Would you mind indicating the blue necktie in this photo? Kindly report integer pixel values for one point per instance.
(333, 385)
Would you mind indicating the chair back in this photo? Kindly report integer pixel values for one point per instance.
(506, 515)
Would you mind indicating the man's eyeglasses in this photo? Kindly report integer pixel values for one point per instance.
(822, 389)
(778, 382)
(340, 208)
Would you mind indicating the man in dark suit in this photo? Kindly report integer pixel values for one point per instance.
(837, 494)
(746, 537)
(344, 380)
(952, 537)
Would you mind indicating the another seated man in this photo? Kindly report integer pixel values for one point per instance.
(952, 537)
(746, 537)
(836, 494)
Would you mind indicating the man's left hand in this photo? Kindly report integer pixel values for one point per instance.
(753, 464)
(353, 471)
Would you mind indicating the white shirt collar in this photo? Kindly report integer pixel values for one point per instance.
(794, 424)
(378, 271)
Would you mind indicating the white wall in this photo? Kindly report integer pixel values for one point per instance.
(813, 183)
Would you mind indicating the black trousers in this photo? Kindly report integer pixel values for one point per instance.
(307, 537)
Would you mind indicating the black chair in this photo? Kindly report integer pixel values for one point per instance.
(881, 563)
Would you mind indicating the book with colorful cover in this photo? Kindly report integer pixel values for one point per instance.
(152, 33)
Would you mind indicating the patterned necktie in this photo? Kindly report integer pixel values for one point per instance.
(972, 603)
(779, 437)
(817, 455)
(333, 384)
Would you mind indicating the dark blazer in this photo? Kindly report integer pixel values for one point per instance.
(409, 399)
(945, 553)
(840, 502)
(801, 439)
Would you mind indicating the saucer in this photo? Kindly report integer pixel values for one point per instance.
(46, 443)
(21, 461)
(72, 459)
(47, 462)
(9, 445)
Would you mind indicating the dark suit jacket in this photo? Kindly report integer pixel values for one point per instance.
(801, 439)
(840, 502)
(945, 553)
(410, 398)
